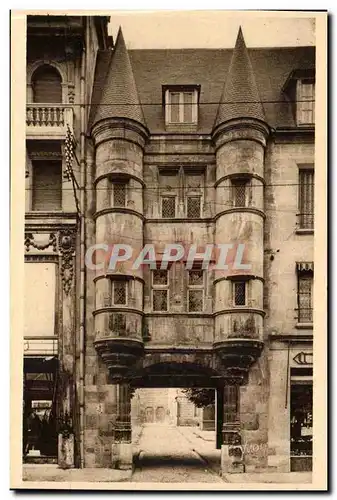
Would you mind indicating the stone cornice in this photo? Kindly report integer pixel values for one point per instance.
(240, 129)
(250, 210)
(120, 210)
(50, 221)
(121, 129)
(114, 309)
(240, 175)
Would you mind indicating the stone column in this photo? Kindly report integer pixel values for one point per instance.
(232, 456)
(122, 445)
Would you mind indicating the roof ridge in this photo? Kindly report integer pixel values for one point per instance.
(240, 96)
(119, 96)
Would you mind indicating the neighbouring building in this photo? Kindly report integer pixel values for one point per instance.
(138, 147)
(170, 406)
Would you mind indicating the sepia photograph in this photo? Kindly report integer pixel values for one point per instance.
(169, 176)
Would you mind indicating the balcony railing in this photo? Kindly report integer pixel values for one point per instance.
(305, 315)
(48, 120)
(306, 221)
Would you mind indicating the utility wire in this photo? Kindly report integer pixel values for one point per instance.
(168, 190)
(203, 103)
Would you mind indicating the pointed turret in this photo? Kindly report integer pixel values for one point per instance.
(119, 96)
(240, 97)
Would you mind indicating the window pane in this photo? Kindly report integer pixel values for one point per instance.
(175, 107)
(160, 300)
(119, 292)
(195, 300)
(195, 278)
(240, 293)
(306, 103)
(47, 185)
(239, 193)
(188, 99)
(306, 199)
(119, 195)
(305, 283)
(160, 277)
(193, 207)
(168, 207)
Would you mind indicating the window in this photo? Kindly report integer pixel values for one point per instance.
(239, 293)
(160, 286)
(119, 194)
(239, 192)
(306, 198)
(47, 85)
(46, 185)
(195, 290)
(119, 293)
(168, 207)
(181, 106)
(305, 102)
(305, 296)
(193, 207)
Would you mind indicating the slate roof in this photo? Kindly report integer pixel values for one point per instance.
(116, 91)
(208, 68)
(240, 96)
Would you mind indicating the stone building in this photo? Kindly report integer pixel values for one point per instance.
(192, 147)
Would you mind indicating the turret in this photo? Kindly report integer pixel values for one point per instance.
(119, 133)
(239, 136)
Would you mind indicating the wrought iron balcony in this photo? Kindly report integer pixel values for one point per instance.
(305, 221)
(305, 315)
(48, 121)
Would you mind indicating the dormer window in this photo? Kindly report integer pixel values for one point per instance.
(305, 102)
(181, 105)
(300, 90)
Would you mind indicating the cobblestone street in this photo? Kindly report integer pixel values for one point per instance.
(167, 455)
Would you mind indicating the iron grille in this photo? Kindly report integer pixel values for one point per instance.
(305, 315)
(306, 198)
(195, 300)
(117, 324)
(305, 282)
(239, 193)
(119, 190)
(240, 293)
(195, 277)
(168, 207)
(193, 207)
(119, 293)
(160, 300)
(160, 277)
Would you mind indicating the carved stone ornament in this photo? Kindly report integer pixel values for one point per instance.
(71, 93)
(40, 241)
(67, 248)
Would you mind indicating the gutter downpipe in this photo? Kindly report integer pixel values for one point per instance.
(82, 241)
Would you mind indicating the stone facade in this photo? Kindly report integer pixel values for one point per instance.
(240, 160)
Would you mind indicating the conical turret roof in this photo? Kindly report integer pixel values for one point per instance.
(119, 97)
(240, 97)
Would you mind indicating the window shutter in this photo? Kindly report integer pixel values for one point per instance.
(47, 85)
(47, 185)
